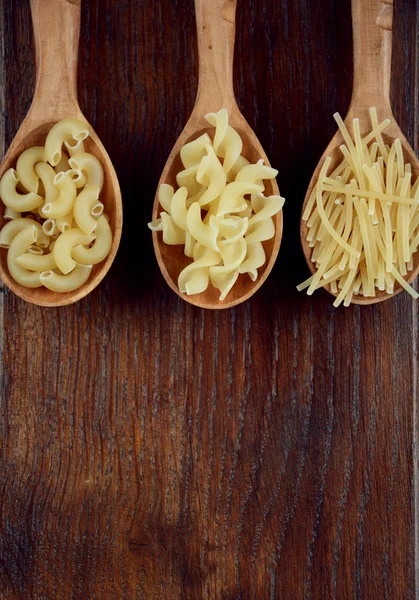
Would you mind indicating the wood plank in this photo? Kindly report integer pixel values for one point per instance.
(152, 450)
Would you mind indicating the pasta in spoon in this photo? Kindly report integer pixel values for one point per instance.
(218, 213)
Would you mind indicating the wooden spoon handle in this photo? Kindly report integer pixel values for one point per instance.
(56, 25)
(372, 22)
(216, 25)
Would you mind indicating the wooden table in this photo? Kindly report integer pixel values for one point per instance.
(153, 450)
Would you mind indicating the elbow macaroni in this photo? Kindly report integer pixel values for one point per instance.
(90, 166)
(211, 214)
(61, 132)
(48, 231)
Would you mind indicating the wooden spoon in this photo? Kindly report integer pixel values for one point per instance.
(372, 35)
(57, 27)
(216, 31)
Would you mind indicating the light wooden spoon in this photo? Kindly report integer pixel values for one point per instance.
(56, 28)
(216, 31)
(372, 36)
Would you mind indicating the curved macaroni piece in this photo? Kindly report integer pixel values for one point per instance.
(91, 166)
(204, 234)
(36, 262)
(172, 233)
(49, 227)
(10, 214)
(35, 250)
(192, 152)
(12, 228)
(223, 281)
(66, 283)
(64, 223)
(62, 166)
(79, 178)
(101, 247)
(46, 174)
(12, 199)
(64, 247)
(211, 174)
(61, 132)
(76, 148)
(82, 209)
(20, 244)
(232, 198)
(65, 202)
(227, 142)
(194, 278)
(97, 210)
(255, 258)
(25, 167)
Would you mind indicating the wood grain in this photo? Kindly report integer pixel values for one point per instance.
(150, 449)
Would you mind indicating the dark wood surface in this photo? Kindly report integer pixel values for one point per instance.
(151, 450)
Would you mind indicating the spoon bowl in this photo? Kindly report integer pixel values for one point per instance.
(55, 100)
(372, 30)
(172, 259)
(216, 28)
(110, 197)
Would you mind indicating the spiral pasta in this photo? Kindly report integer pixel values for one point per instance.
(219, 212)
(50, 228)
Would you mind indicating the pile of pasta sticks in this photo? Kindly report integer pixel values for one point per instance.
(57, 229)
(219, 212)
(363, 218)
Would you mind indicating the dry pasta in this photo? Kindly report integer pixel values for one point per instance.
(219, 212)
(55, 226)
(363, 218)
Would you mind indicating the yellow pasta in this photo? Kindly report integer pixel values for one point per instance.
(19, 245)
(62, 166)
(79, 178)
(47, 174)
(66, 222)
(10, 214)
(36, 262)
(25, 167)
(370, 244)
(74, 147)
(64, 247)
(12, 198)
(219, 213)
(66, 198)
(49, 227)
(12, 228)
(101, 247)
(66, 283)
(50, 203)
(90, 166)
(61, 132)
(83, 205)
